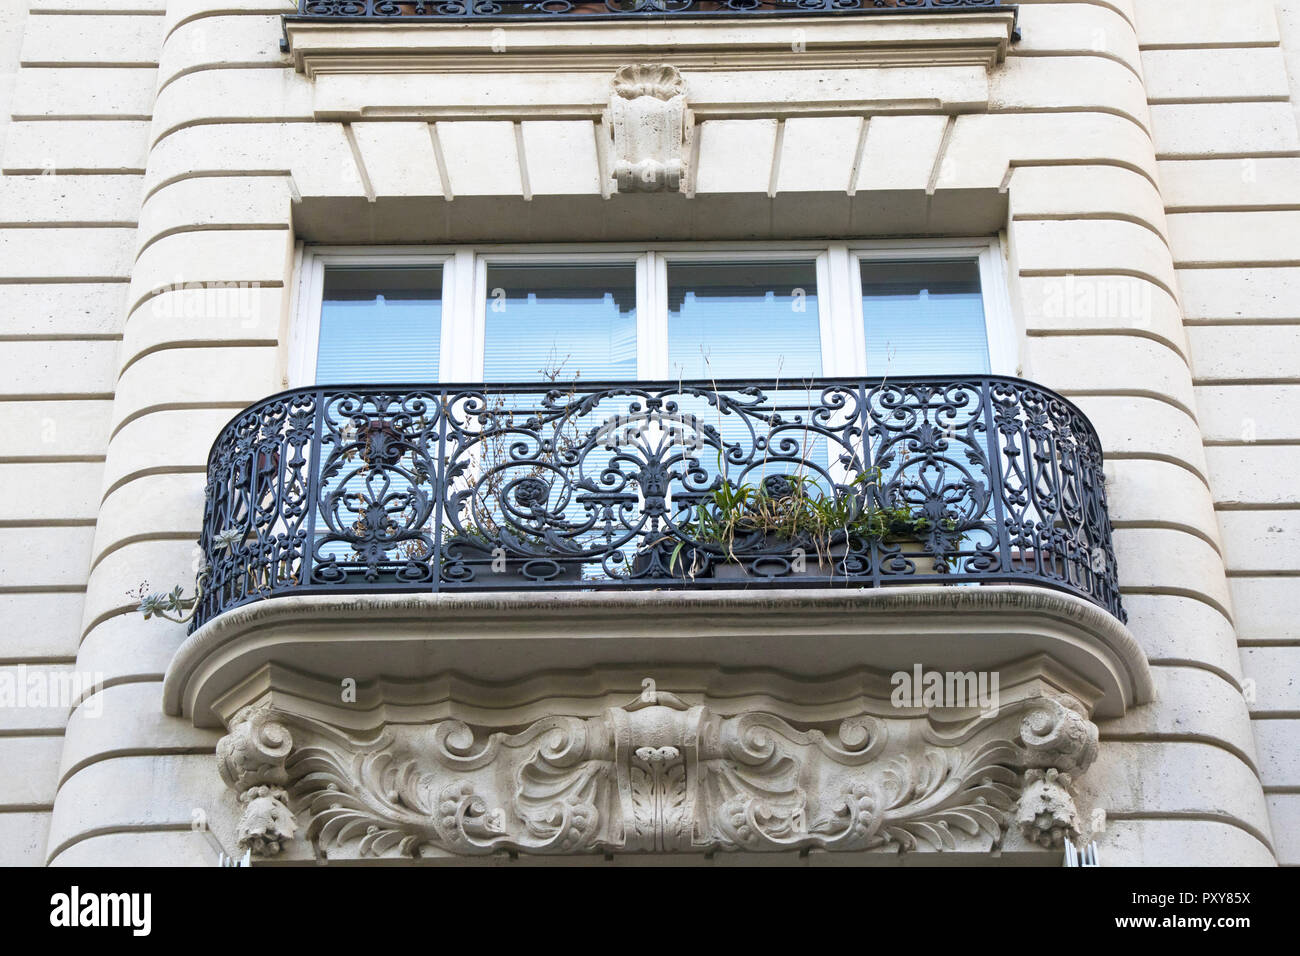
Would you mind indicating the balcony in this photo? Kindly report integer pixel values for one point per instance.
(519, 594)
(477, 10)
(833, 483)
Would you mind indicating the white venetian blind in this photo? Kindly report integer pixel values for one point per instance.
(924, 318)
(750, 320)
(380, 325)
(560, 322)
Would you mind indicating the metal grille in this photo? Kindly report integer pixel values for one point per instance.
(511, 9)
(826, 483)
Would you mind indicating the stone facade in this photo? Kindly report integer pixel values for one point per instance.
(1139, 161)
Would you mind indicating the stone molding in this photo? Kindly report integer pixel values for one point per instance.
(662, 773)
(804, 634)
(969, 38)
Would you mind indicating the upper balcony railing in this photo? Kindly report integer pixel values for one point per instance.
(533, 9)
(829, 483)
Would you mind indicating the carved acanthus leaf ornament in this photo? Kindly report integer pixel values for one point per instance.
(657, 774)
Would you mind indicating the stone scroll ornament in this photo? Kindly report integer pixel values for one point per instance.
(648, 124)
(657, 774)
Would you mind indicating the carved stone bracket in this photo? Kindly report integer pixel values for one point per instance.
(662, 774)
(251, 759)
(649, 126)
(1059, 742)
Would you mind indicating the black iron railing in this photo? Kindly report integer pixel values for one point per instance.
(831, 483)
(529, 9)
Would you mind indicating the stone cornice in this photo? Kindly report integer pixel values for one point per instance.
(970, 38)
(588, 692)
(801, 633)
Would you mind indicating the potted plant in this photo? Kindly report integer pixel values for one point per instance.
(788, 526)
(666, 556)
(906, 540)
(783, 526)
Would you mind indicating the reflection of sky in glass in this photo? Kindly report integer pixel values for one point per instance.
(924, 318)
(380, 325)
(577, 321)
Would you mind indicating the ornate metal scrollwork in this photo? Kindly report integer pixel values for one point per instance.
(600, 9)
(826, 483)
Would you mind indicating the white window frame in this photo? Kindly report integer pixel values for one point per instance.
(839, 294)
(304, 336)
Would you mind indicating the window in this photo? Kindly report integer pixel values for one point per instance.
(727, 319)
(683, 311)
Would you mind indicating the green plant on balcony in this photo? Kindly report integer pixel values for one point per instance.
(177, 607)
(783, 513)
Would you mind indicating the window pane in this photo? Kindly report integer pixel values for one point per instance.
(560, 322)
(924, 318)
(380, 325)
(750, 321)
(743, 320)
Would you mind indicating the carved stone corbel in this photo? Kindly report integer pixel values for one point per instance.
(649, 128)
(251, 759)
(1059, 742)
(1056, 733)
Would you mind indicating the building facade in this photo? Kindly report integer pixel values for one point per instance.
(750, 433)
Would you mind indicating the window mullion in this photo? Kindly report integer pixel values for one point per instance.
(652, 317)
(455, 316)
(302, 364)
(1000, 327)
(841, 351)
(473, 292)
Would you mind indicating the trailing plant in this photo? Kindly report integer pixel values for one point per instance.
(178, 608)
(174, 602)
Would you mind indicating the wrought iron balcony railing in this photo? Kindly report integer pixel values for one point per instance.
(830, 483)
(530, 9)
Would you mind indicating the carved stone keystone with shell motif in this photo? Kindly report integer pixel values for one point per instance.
(649, 126)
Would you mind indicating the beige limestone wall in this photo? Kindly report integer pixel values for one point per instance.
(1223, 96)
(75, 92)
(220, 157)
(13, 17)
